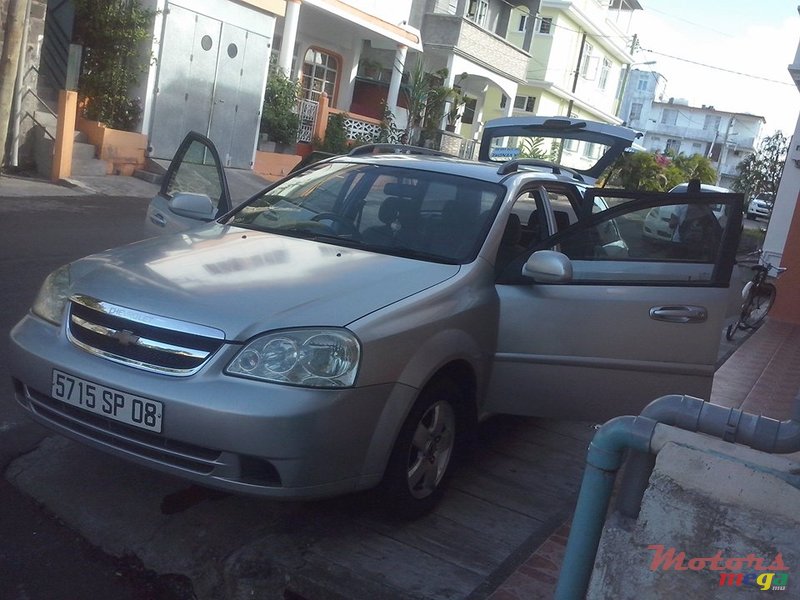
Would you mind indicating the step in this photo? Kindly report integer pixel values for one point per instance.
(148, 176)
(89, 166)
(82, 150)
(46, 120)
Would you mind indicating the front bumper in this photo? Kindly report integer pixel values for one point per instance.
(221, 431)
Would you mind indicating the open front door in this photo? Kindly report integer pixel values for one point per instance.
(195, 169)
(641, 314)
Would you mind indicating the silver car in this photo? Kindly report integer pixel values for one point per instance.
(349, 326)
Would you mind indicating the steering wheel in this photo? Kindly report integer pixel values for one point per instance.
(349, 226)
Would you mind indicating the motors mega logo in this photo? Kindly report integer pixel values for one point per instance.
(750, 571)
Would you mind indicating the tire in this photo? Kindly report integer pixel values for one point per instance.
(758, 304)
(424, 452)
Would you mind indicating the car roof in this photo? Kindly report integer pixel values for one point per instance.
(490, 172)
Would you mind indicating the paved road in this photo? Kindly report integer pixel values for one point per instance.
(40, 558)
(517, 488)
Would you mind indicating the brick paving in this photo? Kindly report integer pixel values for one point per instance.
(761, 377)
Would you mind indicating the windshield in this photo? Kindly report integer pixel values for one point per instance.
(408, 212)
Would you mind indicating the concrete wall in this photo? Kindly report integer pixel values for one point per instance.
(706, 499)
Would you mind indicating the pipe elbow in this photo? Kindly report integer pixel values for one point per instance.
(615, 436)
(678, 410)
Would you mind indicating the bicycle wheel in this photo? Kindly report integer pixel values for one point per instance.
(758, 304)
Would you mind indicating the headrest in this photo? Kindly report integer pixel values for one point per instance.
(513, 231)
(405, 190)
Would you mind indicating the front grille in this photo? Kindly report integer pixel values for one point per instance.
(139, 339)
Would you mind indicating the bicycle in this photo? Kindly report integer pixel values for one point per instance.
(758, 296)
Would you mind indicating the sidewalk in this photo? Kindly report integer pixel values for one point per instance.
(762, 376)
(110, 185)
(242, 184)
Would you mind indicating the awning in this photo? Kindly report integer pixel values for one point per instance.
(400, 33)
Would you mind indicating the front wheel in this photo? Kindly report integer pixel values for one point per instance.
(760, 301)
(424, 452)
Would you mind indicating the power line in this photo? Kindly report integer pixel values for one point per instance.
(699, 64)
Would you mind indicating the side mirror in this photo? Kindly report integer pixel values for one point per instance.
(547, 266)
(193, 206)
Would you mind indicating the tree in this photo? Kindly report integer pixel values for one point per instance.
(659, 172)
(112, 33)
(761, 172)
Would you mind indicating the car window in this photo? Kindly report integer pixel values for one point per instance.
(197, 173)
(404, 211)
(623, 243)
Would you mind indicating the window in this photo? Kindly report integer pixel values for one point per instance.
(478, 11)
(712, 122)
(642, 84)
(673, 145)
(525, 103)
(688, 233)
(523, 22)
(636, 112)
(588, 64)
(697, 148)
(320, 71)
(669, 116)
(546, 25)
(503, 101)
(468, 116)
(604, 72)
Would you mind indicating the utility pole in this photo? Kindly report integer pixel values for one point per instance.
(9, 62)
(571, 102)
(723, 152)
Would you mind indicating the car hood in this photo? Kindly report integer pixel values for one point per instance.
(244, 282)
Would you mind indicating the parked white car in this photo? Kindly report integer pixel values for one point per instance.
(760, 207)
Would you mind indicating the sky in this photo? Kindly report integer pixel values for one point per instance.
(757, 38)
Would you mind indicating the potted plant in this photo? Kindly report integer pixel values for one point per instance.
(279, 119)
(457, 99)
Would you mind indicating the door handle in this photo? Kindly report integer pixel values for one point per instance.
(679, 314)
(158, 219)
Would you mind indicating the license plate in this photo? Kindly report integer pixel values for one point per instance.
(107, 402)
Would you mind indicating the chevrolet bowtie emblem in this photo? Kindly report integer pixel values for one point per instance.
(125, 337)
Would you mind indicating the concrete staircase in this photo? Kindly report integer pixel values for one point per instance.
(83, 154)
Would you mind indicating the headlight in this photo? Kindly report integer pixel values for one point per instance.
(52, 297)
(325, 358)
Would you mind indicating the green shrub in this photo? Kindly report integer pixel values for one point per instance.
(112, 33)
(279, 119)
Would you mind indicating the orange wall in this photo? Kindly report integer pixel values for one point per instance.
(787, 305)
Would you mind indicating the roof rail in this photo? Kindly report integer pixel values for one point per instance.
(512, 166)
(396, 149)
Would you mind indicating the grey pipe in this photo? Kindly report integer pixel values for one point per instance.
(606, 453)
(693, 414)
(603, 460)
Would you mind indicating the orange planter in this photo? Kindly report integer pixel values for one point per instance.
(124, 150)
(274, 166)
